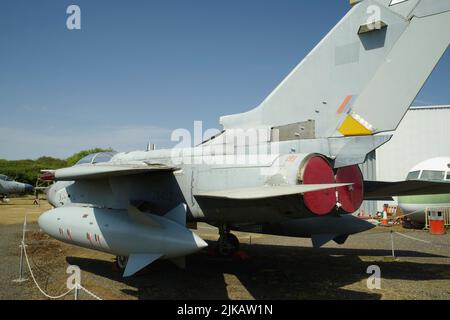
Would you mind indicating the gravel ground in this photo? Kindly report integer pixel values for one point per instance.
(269, 268)
(9, 250)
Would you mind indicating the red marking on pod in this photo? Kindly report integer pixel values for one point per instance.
(89, 237)
(318, 171)
(69, 235)
(99, 241)
(350, 197)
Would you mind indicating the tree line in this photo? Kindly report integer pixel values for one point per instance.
(28, 170)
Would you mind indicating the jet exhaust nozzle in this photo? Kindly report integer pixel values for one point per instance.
(316, 169)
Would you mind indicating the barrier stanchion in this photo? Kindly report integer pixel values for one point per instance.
(23, 254)
(22, 248)
(37, 285)
(414, 239)
(392, 244)
(75, 290)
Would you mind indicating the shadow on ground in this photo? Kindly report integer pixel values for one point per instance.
(271, 272)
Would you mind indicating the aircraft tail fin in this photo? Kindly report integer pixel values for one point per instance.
(364, 75)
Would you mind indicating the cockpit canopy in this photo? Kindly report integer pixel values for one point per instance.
(94, 158)
(429, 175)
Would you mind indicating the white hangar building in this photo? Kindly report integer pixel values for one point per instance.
(424, 133)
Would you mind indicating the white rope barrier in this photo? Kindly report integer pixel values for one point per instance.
(50, 296)
(410, 214)
(24, 253)
(442, 245)
(413, 238)
(88, 292)
(34, 279)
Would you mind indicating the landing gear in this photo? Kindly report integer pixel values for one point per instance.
(121, 262)
(228, 243)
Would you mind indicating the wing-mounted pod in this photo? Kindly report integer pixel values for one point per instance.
(140, 236)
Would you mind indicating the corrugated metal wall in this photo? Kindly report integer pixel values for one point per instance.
(423, 134)
(369, 170)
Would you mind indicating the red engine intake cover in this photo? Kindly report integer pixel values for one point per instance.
(350, 197)
(318, 171)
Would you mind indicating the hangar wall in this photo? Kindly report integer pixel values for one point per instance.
(369, 171)
(424, 133)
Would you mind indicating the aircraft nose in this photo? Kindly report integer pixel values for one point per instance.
(29, 188)
(45, 222)
(51, 194)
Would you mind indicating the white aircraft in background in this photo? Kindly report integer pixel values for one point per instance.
(437, 170)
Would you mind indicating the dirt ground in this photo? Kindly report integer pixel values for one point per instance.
(14, 211)
(269, 267)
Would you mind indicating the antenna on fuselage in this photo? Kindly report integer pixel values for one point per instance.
(151, 147)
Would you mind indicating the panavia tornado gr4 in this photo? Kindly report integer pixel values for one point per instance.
(288, 167)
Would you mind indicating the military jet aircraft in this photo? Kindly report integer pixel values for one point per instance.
(9, 186)
(288, 167)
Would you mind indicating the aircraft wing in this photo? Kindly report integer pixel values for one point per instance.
(105, 170)
(265, 192)
(379, 190)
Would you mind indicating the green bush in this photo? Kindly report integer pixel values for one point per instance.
(28, 170)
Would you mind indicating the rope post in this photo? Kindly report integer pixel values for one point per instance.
(76, 290)
(22, 248)
(25, 255)
(392, 244)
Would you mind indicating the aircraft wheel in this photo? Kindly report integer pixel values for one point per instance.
(227, 245)
(121, 262)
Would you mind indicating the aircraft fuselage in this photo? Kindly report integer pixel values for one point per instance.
(158, 193)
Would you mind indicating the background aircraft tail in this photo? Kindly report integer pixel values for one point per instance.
(364, 75)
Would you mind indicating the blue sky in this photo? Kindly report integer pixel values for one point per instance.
(139, 69)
